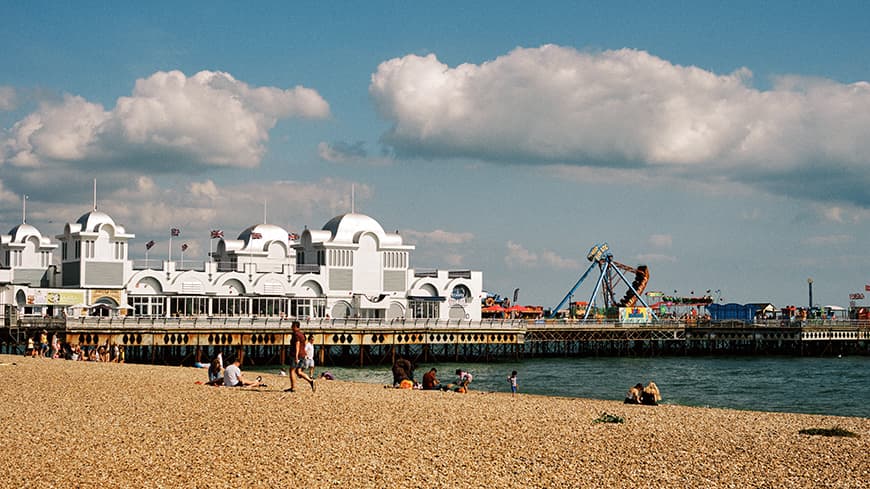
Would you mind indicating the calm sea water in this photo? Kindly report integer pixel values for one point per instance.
(834, 386)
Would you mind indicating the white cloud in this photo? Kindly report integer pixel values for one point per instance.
(834, 214)
(655, 258)
(170, 123)
(828, 240)
(519, 256)
(661, 240)
(438, 236)
(8, 98)
(629, 109)
(341, 152)
(553, 260)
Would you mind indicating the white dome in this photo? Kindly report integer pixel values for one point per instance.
(347, 227)
(92, 221)
(267, 232)
(23, 231)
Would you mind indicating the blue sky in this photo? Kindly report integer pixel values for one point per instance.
(723, 145)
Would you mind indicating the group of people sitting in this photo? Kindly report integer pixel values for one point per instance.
(403, 378)
(231, 376)
(639, 394)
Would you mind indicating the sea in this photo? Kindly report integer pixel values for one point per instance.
(838, 386)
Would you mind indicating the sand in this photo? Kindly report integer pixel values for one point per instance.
(76, 424)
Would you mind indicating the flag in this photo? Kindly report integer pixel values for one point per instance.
(293, 236)
(867, 288)
(184, 247)
(149, 244)
(256, 236)
(216, 233)
(175, 232)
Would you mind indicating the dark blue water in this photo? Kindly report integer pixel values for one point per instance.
(834, 386)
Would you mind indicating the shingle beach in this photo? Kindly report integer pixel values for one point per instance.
(76, 424)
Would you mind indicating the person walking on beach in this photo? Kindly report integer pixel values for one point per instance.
(512, 380)
(309, 355)
(297, 347)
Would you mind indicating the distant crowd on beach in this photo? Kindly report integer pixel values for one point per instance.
(39, 346)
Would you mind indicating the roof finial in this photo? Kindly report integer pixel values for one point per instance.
(352, 198)
(95, 194)
(264, 211)
(24, 210)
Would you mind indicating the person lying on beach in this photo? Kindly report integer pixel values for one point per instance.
(327, 375)
(233, 376)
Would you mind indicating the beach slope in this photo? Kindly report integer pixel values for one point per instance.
(74, 424)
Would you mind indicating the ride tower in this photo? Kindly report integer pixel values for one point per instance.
(610, 279)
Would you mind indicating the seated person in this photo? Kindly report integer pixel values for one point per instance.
(327, 375)
(464, 378)
(214, 373)
(650, 395)
(233, 376)
(633, 395)
(430, 381)
(403, 369)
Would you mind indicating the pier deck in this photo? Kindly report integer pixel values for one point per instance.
(364, 341)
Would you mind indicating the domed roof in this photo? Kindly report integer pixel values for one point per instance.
(267, 232)
(346, 227)
(23, 231)
(92, 221)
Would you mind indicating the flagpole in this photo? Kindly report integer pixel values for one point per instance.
(170, 245)
(146, 258)
(182, 258)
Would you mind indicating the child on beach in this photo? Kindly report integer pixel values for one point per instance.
(512, 380)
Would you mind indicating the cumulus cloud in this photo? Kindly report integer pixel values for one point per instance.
(519, 256)
(553, 260)
(629, 109)
(341, 152)
(655, 258)
(661, 240)
(438, 236)
(8, 98)
(170, 122)
(828, 240)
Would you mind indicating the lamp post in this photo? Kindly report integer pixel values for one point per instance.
(810, 285)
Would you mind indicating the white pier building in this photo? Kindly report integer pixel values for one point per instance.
(349, 269)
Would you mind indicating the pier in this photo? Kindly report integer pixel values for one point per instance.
(378, 342)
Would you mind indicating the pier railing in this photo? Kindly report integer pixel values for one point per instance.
(248, 323)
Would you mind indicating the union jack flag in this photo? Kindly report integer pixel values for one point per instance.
(293, 236)
(216, 233)
(256, 236)
(184, 247)
(150, 244)
(175, 232)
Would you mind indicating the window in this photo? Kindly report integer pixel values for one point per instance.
(424, 309)
(304, 308)
(148, 306)
(269, 306)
